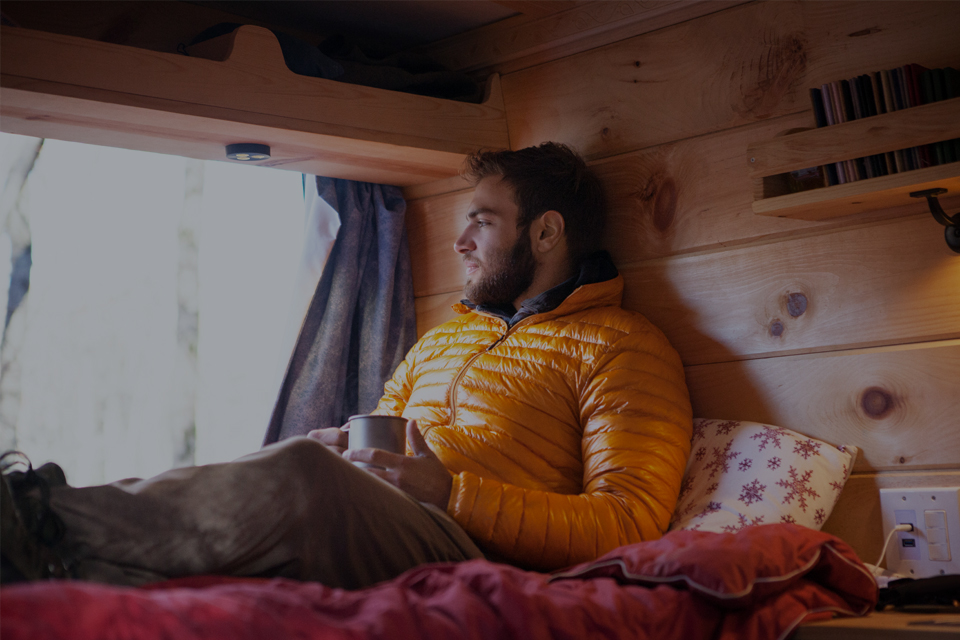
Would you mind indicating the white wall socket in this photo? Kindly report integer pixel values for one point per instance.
(933, 547)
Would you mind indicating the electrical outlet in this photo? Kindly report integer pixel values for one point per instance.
(933, 547)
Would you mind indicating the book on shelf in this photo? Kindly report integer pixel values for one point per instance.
(876, 93)
(829, 171)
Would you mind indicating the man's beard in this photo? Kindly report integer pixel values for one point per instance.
(505, 276)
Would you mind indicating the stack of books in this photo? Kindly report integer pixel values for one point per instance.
(872, 94)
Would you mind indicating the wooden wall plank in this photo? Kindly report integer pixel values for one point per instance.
(889, 283)
(537, 8)
(435, 188)
(696, 194)
(856, 518)
(433, 224)
(512, 44)
(898, 404)
(748, 63)
(435, 310)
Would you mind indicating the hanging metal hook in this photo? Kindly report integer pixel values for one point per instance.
(952, 223)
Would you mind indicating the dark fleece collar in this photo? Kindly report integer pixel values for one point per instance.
(597, 267)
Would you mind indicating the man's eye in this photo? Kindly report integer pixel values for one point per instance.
(482, 223)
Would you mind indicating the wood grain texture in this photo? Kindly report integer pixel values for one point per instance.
(435, 310)
(202, 132)
(139, 99)
(435, 188)
(433, 225)
(889, 283)
(887, 132)
(897, 404)
(731, 68)
(695, 194)
(864, 195)
(857, 519)
(253, 78)
(537, 8)
(514, 44)
(886, 625)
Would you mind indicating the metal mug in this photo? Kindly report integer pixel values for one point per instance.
(377, 432)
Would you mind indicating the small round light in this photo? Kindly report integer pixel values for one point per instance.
(248, 152)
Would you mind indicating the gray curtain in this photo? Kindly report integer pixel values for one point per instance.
(360, 323)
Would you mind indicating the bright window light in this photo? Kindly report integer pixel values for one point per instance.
(159, 292)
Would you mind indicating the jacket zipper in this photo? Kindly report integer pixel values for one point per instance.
(463, 371)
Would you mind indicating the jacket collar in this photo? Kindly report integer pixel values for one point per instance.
(598, 284)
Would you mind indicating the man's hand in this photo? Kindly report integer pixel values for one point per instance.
(421, 475)
(334, 438)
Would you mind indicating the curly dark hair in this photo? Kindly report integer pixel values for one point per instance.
(551, 176)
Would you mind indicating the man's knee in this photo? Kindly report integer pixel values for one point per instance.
(306, 464)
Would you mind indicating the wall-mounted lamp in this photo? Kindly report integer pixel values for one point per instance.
(952, 224)
(248, 152)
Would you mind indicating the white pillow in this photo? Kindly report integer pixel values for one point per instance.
(745, 473)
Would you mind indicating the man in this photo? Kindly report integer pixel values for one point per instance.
(546, 427)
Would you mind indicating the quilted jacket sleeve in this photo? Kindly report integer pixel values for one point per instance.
(396, 391)
(636, 420)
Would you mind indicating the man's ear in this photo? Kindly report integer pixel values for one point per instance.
(547, 231)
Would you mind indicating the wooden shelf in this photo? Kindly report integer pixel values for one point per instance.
(864, 195)
(887, 625)
(235, 88)
(815, 147)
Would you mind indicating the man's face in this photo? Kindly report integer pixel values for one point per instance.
(497, 257)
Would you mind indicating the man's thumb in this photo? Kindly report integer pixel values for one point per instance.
(417, 444)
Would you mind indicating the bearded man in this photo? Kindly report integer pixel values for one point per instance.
(546, 426)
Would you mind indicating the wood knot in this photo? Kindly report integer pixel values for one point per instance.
(776, 328)
(665, 205)
(877, 403)
(636, 63)
(649, 191)
(796, 304)
(605, 132)
(864, 32)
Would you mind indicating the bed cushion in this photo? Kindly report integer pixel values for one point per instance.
(735, 571)
(742, 474)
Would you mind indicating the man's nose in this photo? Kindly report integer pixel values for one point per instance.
(464, 243)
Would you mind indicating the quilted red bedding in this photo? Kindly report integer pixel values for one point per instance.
(759, 583)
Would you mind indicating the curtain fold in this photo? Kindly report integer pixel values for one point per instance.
(361, 321)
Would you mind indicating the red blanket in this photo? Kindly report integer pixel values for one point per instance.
(759, 583)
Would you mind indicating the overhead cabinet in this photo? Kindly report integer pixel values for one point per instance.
(233, 89)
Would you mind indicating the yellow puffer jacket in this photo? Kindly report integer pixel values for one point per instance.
(566, 434)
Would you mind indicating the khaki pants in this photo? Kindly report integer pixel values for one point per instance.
(293, 509)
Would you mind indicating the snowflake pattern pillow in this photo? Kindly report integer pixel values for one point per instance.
(744, 473)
